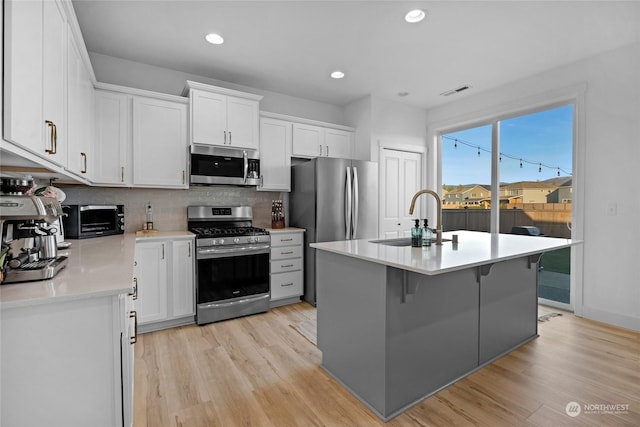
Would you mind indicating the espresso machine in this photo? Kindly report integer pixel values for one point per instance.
(29, 240)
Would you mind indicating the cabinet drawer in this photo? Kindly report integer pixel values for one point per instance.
(286, 239)
(285, 265)
(286, 285)
(284, 252)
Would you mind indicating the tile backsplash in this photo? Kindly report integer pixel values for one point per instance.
(170, 206)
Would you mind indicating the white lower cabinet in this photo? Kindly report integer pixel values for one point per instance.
(286, 267)
(164, 273)
(68, 363)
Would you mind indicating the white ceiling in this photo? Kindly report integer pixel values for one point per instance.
(291, 47)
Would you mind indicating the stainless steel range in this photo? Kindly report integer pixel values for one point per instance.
(232, 262)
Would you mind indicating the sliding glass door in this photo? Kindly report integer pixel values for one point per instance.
(525, 189)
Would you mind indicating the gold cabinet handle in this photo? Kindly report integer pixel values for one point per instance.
(229, 137)
(122, 174)
(84, 158)
(189, 254)
(54, 137)
(184, 176)
(225, 137)
(134, 315)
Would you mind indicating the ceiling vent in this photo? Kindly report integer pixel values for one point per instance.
(456, 90)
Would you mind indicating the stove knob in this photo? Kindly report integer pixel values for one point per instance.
(252, 239)
(236, 240)
(221, 242)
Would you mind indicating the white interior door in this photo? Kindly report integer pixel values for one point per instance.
(401, 174)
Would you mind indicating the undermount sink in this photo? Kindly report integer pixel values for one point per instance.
(400, 241)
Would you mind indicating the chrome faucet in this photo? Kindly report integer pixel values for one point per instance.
(439, 213)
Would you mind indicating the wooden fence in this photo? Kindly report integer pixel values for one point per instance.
(550, 218)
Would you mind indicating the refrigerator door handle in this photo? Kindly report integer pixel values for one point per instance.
(355, 203)
(347, 205)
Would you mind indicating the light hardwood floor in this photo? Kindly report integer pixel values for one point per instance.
(259, 371)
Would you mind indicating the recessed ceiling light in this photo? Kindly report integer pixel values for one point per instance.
(214, 38)
(414, 16)
(337, 74)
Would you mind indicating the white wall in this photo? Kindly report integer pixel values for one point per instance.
(382, 122)
(122, 72)
(610, 138)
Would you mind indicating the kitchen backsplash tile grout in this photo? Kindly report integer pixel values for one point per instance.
(170, 206)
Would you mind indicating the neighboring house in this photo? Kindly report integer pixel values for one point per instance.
(526, 192)
(562, 194)
(466, 195)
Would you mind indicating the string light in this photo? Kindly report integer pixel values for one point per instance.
(509, 156)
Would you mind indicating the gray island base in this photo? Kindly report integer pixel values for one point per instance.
(393, 336)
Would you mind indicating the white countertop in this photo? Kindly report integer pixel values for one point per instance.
(473, 249)
(99, 266)
(285, 230)
(142, 236)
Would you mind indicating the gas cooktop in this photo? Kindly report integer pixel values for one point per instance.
(230, 231)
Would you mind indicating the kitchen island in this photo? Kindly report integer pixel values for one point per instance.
(396, 324)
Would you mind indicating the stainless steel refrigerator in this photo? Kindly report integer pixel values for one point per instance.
(333, 199)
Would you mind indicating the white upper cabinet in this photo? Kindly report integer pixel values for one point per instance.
(80, 107)
(338, 143)
(275, 154)
(140, 141)
(223, 117)
(111, 143)
(209, 118)
(159, 143)
(35, 78)
(321, 141)
(308, 141)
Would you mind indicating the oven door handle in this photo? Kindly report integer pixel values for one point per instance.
(205, 253)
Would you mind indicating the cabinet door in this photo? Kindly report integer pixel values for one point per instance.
(54, 81)
(151, 273)
(242, 123)
(80, 106)
(127, 356)
(208, 118)
(111, 138)
(308, 141)
(23, 37)
(159, 143)
(275, 155)
(286, 285)
(338, 143)
(182, 287)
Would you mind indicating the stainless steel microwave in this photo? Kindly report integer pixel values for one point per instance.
(220, 165)
(84, 221)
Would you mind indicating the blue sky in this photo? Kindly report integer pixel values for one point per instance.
(545, 137)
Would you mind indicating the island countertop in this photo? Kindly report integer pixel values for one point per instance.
(96, 267)
(473, 249)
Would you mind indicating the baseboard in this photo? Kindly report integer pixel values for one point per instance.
(624, 321)
(166, 324)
